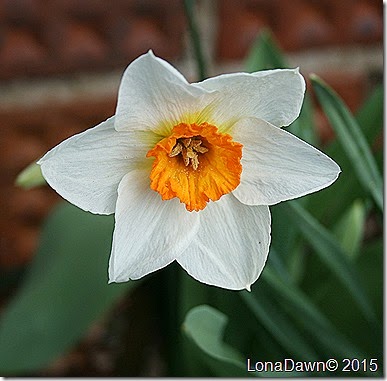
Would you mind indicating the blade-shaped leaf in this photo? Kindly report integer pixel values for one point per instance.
(370, 115)
(352, 139)
(349, 230)
(330, 253)
(30, 177)
(347, 189)
(304, 125)
(205, 326)
(265, 54)
(311, 319)
(280, 327)
(64, 293)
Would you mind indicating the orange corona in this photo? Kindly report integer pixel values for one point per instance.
(196, 163)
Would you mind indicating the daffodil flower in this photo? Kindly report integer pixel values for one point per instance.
(190, 169)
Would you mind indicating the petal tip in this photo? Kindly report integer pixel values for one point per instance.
(117, 279)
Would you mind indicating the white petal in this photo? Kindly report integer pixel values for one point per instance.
(272, 95)
(277, 166)
(87, 168)
(149, 233)
(154, 95)
(232, 244)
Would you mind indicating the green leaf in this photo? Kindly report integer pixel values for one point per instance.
(30, 177)
(189, 9)
(205, 326)
(285, 245)
(180, 299)
(343, 193)
(265, 54)
(351, 138)
(276, 263)
(280, 327)
(304, 125)
(310, 318)
(330, 253)
(349, 230)
(371, 262)
(370, 115)
(340, 309)
(64, 293)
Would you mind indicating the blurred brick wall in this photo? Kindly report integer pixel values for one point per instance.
(298, 24)
(45, 45)
(42, 38)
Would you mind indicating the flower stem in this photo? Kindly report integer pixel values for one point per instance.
(195, 39)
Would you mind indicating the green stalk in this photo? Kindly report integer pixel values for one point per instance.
(195, 39)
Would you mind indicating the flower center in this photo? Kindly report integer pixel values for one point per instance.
(189, 148)
(196, 163)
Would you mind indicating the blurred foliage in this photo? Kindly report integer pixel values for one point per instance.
(30, 177)
(351, 139)
(320, 295)
(64, 292)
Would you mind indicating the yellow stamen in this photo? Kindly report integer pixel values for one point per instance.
(196, 163)
(189, 149)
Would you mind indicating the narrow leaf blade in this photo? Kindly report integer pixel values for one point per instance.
(205, 326)
(312, 320)
(30, 177)
(351, 138)
(349, 230)
(330, 253)
(64, 293)
(281, 328)
(265, 54)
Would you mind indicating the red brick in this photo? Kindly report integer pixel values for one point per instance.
(29, 207)
(40, 38)
(238, 29)
(307, 28)
(297, 24)
(80, 44)
(366, 22)
(21, 49)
